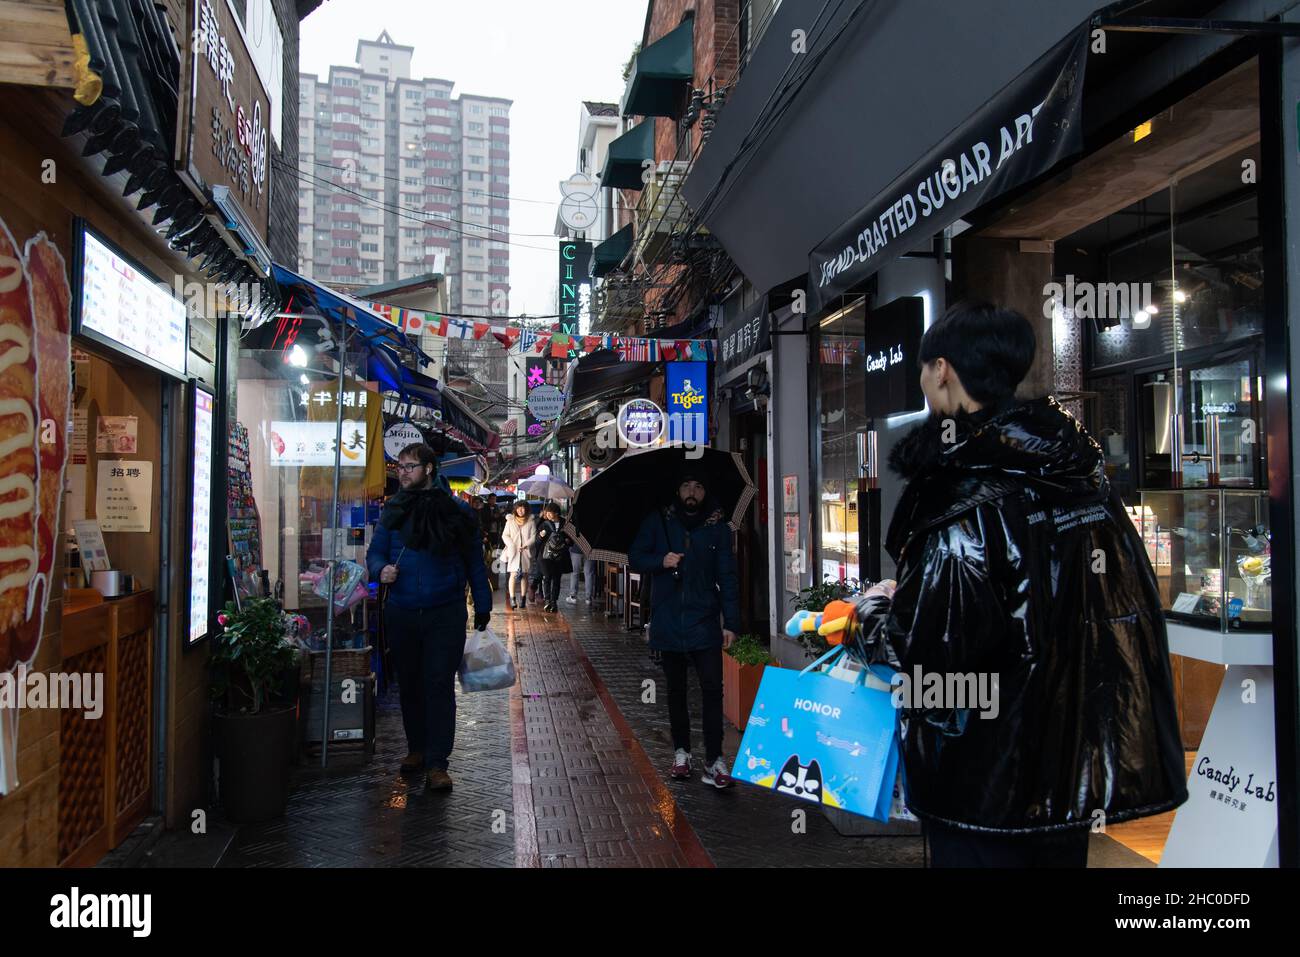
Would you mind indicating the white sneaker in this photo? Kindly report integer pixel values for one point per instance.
(571, 600)
(717, 775)
(681, 765)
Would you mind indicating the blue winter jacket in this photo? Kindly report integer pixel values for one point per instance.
(685, 612)
(425, 579)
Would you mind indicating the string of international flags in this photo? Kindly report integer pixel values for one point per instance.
(559, 345)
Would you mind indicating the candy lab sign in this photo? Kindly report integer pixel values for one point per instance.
(1230, 818)
(223, 134)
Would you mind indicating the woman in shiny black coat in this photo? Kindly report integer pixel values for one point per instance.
(1015, 560)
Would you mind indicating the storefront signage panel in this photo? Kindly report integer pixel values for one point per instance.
(398, 436)
(687, 386)
(575, 272)
(312, 444)
(225, 113)
(1018, 135)
(742, 340)
(125, 308)
(201, 517)
(641, 423)
(1230, 818)
(892, 343)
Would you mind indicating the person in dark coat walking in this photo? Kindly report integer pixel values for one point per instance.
(1016, 560)
(685, 551)
(426, 548)
(553, 550)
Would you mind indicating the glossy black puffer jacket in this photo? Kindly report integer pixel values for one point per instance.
(1015, 559)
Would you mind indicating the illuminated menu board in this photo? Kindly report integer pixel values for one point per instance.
(129, 310)
(201, 518)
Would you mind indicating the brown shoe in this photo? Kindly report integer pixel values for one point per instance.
(438, 780)
(411, 763)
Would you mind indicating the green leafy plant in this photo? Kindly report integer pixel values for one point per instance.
(250, 654)
(751, 650)
(627, 67)
(816, 597)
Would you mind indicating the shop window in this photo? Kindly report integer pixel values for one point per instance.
(841, 409)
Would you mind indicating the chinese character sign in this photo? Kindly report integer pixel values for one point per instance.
(225, 114)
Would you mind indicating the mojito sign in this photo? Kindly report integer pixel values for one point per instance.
(223, 136)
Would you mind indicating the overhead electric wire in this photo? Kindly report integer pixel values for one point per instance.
(403, 212)
(449, 189)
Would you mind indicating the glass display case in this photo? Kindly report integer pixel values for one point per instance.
(1210, 551)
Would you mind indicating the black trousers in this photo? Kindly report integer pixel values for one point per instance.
(953, 847)
(552, 572)
(708, 668)
(427, 645)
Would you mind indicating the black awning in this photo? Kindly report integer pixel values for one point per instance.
(624, 163)
(813, 168)
(1031, 126)
(660, 74)
(607, 256)
(603, 371)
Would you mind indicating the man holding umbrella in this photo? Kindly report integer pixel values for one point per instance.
(685, 551)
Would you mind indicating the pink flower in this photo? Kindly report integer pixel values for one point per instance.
(223, 619)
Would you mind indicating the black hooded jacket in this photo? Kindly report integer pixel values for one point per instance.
(1015, 559)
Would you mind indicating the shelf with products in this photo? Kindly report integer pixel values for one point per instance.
(1211, 553)
(244, 524)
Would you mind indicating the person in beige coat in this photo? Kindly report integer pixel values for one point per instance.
(516, 552)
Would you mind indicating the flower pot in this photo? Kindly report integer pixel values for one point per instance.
(255, 751)
(739, 687)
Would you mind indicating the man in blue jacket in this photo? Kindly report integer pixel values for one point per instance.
(685, 552)
(426, 548)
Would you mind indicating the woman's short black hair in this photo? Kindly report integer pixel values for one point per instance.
(518, 504)
(990, 347)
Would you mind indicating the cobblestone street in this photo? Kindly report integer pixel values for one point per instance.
(566, 769)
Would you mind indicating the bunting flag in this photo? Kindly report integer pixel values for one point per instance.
(557, 345)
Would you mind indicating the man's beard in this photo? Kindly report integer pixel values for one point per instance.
(690, 505)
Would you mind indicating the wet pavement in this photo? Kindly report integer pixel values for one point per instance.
(566, 769)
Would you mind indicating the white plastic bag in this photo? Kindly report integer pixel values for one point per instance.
(486, 665)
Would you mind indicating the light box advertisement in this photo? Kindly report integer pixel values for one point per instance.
(687, 388)
(125, 308)
(201, 517)
(312, 444)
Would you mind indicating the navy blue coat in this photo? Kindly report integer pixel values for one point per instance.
(425, 579)
(684, 613)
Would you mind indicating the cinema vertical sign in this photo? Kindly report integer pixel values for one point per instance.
(222, 137)
(575, 284)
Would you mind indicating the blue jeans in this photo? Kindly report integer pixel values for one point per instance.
(427, 645)
(588, 570)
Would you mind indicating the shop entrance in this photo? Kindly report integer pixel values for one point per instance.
(116, 545)
(749, 433)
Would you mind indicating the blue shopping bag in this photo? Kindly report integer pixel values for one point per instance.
(823, 740)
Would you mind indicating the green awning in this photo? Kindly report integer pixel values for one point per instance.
(627, 155)
(607, 255)
(659, 74)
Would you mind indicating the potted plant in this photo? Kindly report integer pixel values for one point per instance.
(254, 726)
(742, 671)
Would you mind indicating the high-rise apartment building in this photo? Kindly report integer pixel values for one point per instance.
(401, 179)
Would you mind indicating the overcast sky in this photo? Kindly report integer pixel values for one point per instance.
(546, 55)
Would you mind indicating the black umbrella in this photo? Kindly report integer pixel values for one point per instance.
(609, 508)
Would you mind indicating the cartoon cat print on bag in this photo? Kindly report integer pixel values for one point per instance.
(800, 780)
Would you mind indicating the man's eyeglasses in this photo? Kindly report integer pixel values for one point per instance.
(408, 466)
